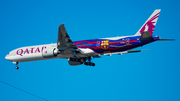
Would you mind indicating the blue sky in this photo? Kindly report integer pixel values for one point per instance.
(151, 75)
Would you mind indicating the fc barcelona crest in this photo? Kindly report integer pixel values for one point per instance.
(105, 44)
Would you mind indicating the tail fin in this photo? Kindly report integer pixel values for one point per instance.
(150, 24)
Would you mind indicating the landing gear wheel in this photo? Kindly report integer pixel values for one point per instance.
(17, 67)
(92, 64)
(77, 60)
(85, 63)
(89, 63)
(81, 60)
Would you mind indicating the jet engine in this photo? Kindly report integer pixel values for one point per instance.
(74, 62)
(50, 52)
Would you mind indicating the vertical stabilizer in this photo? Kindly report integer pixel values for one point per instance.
(150, 24)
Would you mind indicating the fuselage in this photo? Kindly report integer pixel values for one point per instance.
(99, 46)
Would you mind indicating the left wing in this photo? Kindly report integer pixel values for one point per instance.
(120, 53)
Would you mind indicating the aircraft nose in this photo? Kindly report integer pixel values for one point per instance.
(7, 57)
(10, 57)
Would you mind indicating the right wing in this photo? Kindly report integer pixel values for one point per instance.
(63, 40)
(66, 46)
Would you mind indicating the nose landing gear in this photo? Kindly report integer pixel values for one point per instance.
(17, 67)
(16, 63)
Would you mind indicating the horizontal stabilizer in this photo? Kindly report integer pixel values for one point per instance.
(166, 40)
(133, 51)
(136, 51)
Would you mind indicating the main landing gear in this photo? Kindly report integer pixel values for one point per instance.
(89, 63)
(83, 60)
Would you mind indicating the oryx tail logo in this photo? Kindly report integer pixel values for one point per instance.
(150, 24)
(105, 44)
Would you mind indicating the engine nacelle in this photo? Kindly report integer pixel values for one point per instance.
(74, 63)
(50, 52)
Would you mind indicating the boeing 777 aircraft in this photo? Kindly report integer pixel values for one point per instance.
(81, 52)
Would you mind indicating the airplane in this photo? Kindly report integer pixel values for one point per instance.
(81, 52)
